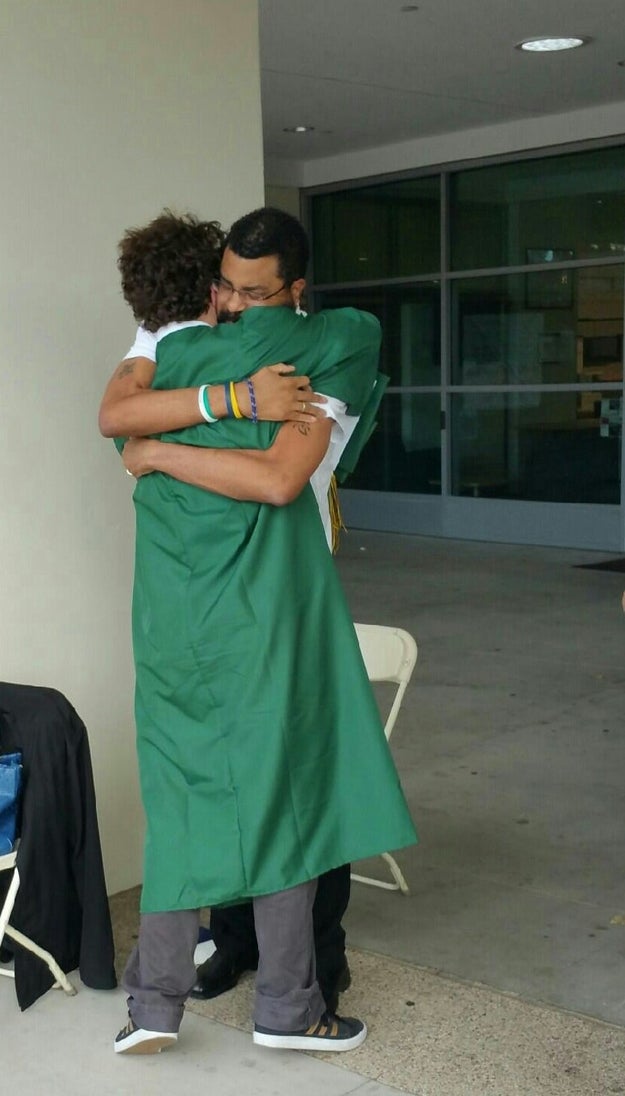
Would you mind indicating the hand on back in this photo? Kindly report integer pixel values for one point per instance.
(283, 396)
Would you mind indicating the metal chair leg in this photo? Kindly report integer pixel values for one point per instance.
(396, 872)
(400, 883)
(53, 966)
(7, 930)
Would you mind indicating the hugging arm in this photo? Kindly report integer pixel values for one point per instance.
(130, 407)
(276, 475)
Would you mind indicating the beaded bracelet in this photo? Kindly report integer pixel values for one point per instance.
(250, 387)
(204, 405)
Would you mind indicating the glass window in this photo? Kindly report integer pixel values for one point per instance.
(547, 210)
(389, 230)
(548, 327)
(533, 355)
(404, 452)
(547, 447)
(410, 318)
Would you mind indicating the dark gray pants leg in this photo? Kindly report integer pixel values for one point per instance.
(288, 997)
(234, 934)
(160, 972)
(233, 931)
(330, 904)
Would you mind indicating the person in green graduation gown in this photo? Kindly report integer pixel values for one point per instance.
(259, 740)
(278, 396)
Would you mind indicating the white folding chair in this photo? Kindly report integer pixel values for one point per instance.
(389, 654)
(7, 863)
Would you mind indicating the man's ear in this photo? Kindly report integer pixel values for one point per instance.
(297, 288)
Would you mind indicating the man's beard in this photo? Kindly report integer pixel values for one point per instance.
(224, 316)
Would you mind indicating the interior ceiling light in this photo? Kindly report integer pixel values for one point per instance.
(298, 129)
(550, 45)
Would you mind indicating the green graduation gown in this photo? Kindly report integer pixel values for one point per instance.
(263, 762)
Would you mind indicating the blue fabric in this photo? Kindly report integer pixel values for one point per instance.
(10, 787)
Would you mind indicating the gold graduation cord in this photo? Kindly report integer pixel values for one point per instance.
(336, 518)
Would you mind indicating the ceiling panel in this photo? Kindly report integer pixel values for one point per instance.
(364, 73)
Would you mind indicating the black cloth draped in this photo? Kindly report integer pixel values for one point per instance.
(61, 904)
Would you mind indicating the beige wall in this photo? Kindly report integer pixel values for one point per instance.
(109, 111)
(286, 198)
(532, 133)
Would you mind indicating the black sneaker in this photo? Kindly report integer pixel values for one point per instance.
(135, 1040)
(330, 1033)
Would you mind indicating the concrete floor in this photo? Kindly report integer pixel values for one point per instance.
(511, 748)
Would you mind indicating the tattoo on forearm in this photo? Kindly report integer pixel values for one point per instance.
(125, 369)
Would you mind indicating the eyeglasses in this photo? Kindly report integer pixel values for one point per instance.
(250, 296)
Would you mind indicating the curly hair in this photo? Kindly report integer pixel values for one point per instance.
(168, 266)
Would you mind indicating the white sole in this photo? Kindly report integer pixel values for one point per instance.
(309, 1042)
(146, 1042)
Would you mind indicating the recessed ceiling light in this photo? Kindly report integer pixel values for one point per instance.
(298, 129)
(550, 45)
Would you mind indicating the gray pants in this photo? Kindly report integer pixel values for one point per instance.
(160, 972)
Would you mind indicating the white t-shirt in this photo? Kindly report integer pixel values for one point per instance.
(343, 426)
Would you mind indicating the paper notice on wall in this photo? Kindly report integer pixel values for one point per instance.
(610, 419)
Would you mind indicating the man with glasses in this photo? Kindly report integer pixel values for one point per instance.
(262, 249)
(258, 733)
